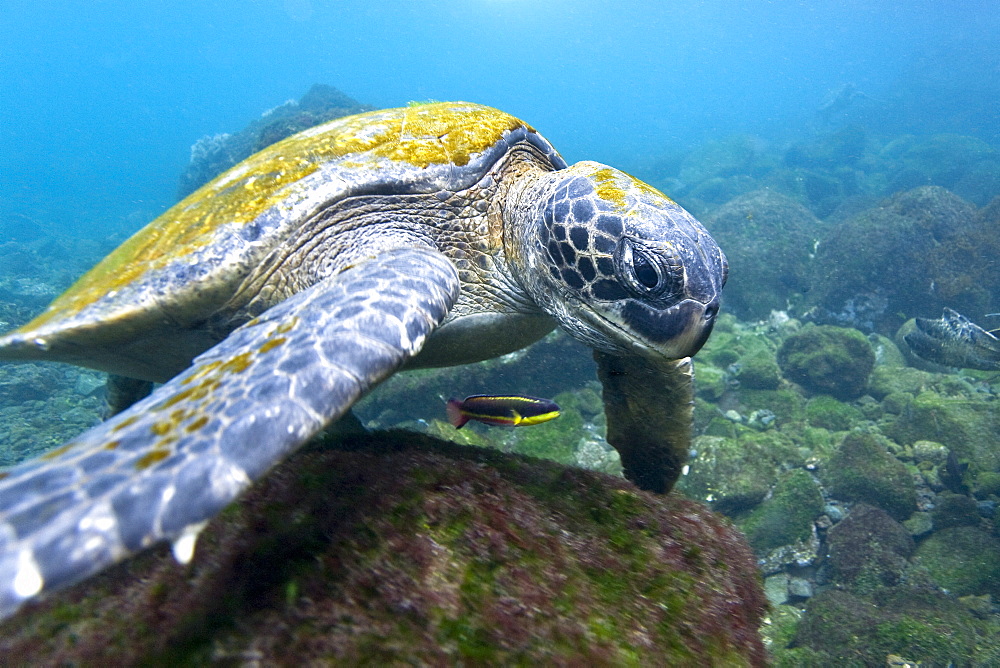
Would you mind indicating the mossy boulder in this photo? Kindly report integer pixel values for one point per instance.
(787, 516)
(786, 403)
(886, 380)
(769, 240)
(888, 256)
(886, 351)
(735, 473)
(826, 412)
(759, 371)
(868, 549)
(396, 548)
(963, 560)
(861, 469)
(954, 510)
(828, 360)
(970, 427)
(843, 629)
(712, 382)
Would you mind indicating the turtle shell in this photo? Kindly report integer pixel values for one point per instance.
(145, 310)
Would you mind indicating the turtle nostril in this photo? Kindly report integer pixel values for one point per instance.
(711, 311)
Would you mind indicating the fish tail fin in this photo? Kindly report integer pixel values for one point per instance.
(455, 415)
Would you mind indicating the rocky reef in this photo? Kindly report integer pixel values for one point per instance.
(213, 154)
(399, 548)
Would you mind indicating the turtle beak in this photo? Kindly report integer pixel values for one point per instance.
(677, 332)
(697, 321)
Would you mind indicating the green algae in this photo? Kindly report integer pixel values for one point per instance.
(968, 426)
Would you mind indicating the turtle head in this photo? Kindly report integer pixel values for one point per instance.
(621, 266)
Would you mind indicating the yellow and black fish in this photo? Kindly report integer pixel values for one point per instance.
(508, 410)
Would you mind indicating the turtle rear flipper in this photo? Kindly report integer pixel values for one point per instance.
(174, 459)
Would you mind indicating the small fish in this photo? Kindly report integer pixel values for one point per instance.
(507, 410)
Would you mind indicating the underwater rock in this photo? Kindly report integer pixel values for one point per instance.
(213, 154)
(886, 351)
(945, 160)
(843, 629)
(963, 560)
(401, 549)
(970, 427)
(734, 474)
(828, 360)
(712, 381)
(886, 380)
(921, 251)
(843, 146)
(868, 549)
(826, 412)
(786, 518)
(954, 510)
(861, 469)
(769, 240)
(735, 155)
(759, 371)
(786, 403)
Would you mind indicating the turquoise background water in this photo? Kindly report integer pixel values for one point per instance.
(101, 100)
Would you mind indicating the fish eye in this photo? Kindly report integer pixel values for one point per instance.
(645, 273)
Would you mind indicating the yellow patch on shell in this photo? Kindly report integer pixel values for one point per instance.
(441, 133)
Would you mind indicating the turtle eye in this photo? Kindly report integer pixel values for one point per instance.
(645, 273)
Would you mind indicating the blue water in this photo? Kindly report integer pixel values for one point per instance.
(100, 101)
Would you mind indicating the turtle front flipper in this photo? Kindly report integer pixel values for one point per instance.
(166, 465)
(649, 408)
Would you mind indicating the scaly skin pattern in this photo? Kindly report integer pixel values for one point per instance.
(175, 459)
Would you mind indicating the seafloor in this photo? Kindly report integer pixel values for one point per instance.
(865, 480)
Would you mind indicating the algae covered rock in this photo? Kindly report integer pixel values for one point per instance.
(769, 241)
(828, 360)
(890, 255)
(735, 473)
(826, 412)
(843, 629)
(970, 427)
(786, 518)
(868, 549)
(886, 380)
(963, 560)
(759, 371)
(396, 548)
(861, 469)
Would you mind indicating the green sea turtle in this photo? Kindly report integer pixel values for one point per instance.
(954, 340)
(305, 275)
